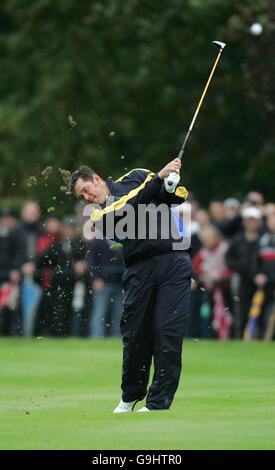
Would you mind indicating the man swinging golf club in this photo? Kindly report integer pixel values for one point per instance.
(156, 285)
(157, 280)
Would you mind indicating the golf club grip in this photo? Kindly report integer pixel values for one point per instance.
(181, 152)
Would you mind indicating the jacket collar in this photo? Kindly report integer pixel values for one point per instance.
(111, 185)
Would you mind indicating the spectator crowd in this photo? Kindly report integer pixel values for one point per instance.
(53, 282)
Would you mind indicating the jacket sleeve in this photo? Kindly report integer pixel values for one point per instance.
(176, 198)
(139, 187)
(148, 190)
(154, 189)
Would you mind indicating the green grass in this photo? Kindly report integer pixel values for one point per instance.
(59, 394)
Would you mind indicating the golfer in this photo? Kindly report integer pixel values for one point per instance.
(156, 284)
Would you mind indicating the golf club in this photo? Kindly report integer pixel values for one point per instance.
(173, 177)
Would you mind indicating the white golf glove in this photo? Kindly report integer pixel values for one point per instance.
(171, 182)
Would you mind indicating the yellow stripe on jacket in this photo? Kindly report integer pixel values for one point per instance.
(126, 174)
(97, 214)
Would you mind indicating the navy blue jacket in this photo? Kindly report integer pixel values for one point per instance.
(137, 187)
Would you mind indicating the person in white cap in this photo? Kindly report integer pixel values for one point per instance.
(251, 213)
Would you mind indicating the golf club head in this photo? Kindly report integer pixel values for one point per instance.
(220, 45)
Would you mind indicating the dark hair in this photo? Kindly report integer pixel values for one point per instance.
(84, 172)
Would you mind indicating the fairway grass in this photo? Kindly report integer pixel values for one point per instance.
(59, 394)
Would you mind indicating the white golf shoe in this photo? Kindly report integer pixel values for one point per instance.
(141, 410)
(125, 407)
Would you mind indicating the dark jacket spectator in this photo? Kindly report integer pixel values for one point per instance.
(103, 262)
(9, 277)
(105, 266)
(265, 279)
(6, 253)
(242, 258)
(26, 235)
(42, 318)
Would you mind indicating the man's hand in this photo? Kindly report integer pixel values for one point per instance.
(172, 167)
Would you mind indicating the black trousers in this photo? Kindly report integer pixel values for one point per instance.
(156, 305)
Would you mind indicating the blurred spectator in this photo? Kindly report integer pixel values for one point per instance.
(254, 198)
(7, 223)
(202, 218)
(242, 258)
(26, 234)
(210, 267)
(209, 263)
(9, 322)
(269, 209)
(225, 216)
(67, 258)
(232, 207)
(265, 279)
(105, 267)
(8, 219)
(216, 212)
(42, 319)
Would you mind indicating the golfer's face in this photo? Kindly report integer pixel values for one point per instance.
(93, 191)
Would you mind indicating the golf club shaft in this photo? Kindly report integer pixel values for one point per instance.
(199, 105)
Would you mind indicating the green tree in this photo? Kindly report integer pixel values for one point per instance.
(114, 84)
